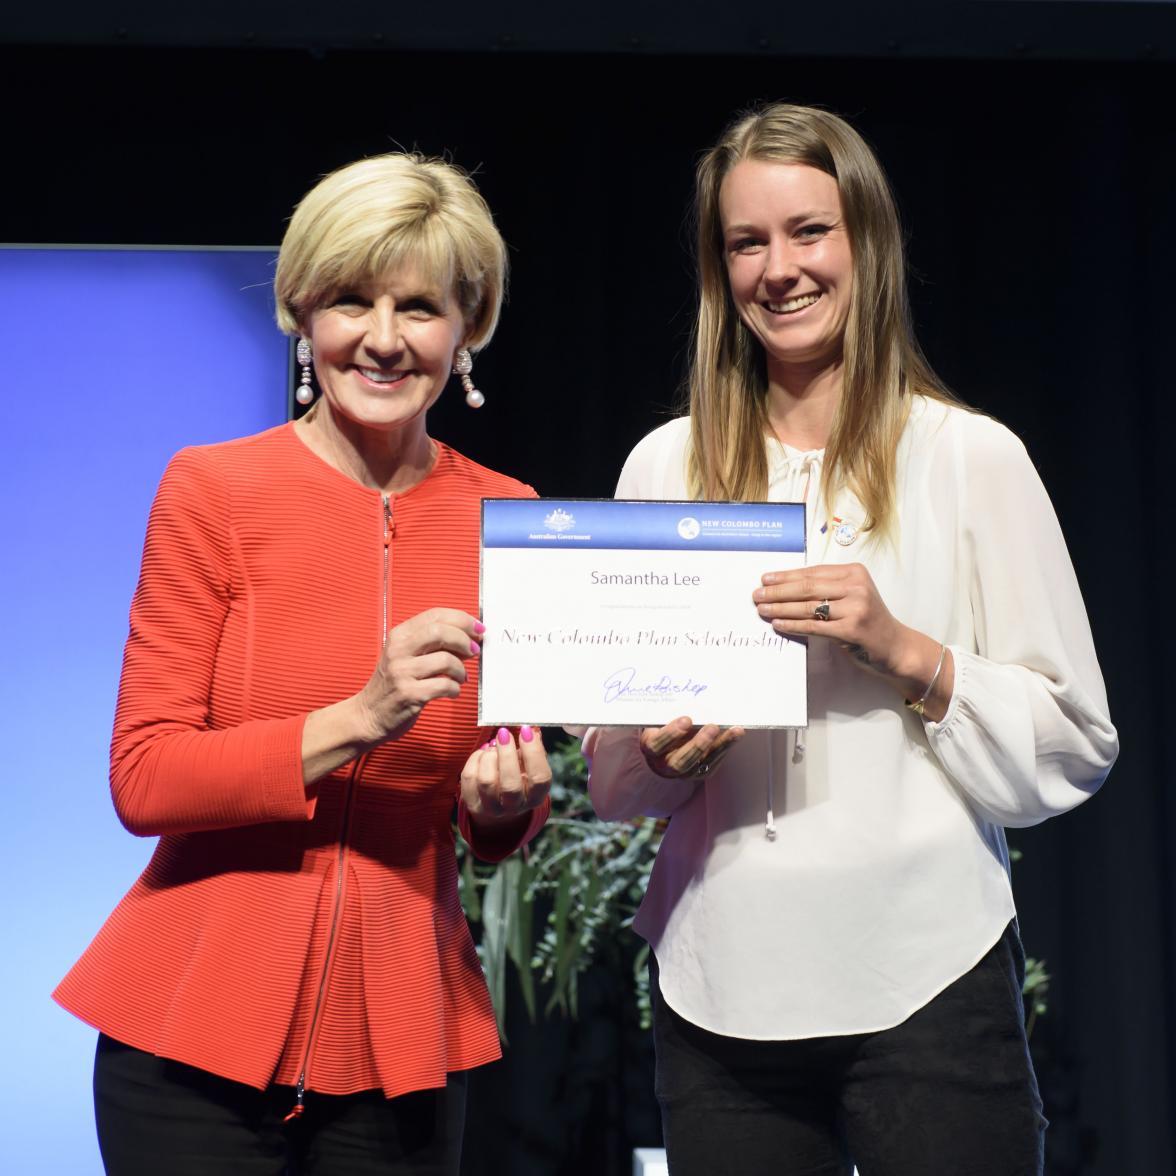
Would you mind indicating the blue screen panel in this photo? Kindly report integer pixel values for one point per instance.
(114, 359)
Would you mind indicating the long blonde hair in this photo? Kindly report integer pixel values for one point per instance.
(882, 362)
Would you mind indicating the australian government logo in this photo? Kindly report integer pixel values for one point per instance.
(559, 520)
(559, 526)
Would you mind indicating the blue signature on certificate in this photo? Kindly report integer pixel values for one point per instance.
(620, 684)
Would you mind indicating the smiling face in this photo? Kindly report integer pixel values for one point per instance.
(383, 350)
(789, 265)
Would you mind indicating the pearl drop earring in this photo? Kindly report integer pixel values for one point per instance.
(305, 393)
(463, 364)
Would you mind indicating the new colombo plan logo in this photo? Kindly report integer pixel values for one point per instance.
(689, 527)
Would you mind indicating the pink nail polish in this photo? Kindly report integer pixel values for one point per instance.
(479, 628)
(475, 648)
(526, 734)
(503, 735)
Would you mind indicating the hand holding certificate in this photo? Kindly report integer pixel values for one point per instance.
(679, 749)
(634, 613)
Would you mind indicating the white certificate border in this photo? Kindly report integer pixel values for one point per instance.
(571, 725)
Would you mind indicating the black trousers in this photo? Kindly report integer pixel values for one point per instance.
(157, 1116)
(950, 1090)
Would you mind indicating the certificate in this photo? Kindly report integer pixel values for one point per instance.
(633, 613)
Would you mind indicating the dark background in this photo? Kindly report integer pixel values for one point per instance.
(1032, 151)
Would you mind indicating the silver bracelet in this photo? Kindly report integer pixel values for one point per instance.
(918, 705)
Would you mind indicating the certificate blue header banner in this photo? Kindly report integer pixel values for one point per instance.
(620, 524)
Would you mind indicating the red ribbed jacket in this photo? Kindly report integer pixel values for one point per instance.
(261, 598)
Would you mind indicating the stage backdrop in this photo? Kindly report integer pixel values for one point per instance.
(114, 359)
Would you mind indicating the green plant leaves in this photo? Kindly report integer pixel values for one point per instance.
(587, 874)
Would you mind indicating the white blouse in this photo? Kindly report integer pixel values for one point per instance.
(888, 876)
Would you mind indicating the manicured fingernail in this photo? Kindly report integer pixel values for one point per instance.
(503, 735)
(769, 578)
(526, 734)
(475, 648)
(479, 628)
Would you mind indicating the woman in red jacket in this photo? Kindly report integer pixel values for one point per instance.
(291, 984)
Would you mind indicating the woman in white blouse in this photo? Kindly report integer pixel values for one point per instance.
(837, 967)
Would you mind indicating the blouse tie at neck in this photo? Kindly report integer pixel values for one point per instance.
(794, 475)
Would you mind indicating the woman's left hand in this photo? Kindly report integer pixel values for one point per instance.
(504, 780)
(838, 601)
(841, 602)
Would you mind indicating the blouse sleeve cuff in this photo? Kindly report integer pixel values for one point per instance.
(961, 660)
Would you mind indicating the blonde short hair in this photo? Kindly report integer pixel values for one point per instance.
(377, 214)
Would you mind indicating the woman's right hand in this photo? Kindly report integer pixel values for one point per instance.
(423, 659)
(680, 750)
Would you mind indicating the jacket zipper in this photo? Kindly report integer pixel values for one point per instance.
(389, 531)
(344, 835)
